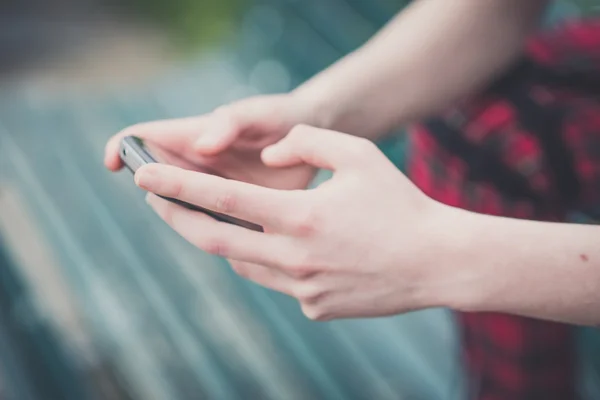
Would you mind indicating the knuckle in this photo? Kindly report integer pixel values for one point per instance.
(241, 269)
(226, 203)
(308, 222)
(301, 272)
(214, 246)
(176, 189)
(304, 265)
(309, 294)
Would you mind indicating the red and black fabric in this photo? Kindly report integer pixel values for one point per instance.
(529, 147)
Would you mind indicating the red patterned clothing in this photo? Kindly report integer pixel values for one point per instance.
(528, 147)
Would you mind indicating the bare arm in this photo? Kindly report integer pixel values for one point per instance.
(536, 269)
(408, 252)
(432, 54)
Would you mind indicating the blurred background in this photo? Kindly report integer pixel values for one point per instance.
(98, 299)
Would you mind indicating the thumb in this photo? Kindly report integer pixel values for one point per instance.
(320, 148)
(222, 129)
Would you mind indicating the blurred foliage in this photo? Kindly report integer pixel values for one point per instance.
(588, 7)
(203, 22)
(193, 23)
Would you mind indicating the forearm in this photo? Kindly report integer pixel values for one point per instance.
(432, 54)
(536, 269)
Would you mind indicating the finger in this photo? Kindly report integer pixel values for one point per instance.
(318, 147)
(222, 239)
(228, 122)
(263, 206)
(178, 135)
(223, 128)
(201, 164)
(270, 278)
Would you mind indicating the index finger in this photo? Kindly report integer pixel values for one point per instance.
(263, 206)
(178, 135)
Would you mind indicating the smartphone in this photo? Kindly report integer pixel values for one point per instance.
(136, 154)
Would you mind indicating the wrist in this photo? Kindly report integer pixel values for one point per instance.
(456, 277)
(334, 107)
(319, 103)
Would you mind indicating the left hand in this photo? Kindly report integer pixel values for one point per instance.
(360, 245)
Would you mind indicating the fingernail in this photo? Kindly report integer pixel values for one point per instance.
(148, 199)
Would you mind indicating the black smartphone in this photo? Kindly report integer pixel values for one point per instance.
(136, 154)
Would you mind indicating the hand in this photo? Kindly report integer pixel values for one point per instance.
(228, 142)
(362, 244)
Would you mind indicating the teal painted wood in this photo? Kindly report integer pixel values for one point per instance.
(137, 281)
(28, 344)
(93, 224)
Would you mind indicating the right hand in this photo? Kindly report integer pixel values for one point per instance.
(229, 141)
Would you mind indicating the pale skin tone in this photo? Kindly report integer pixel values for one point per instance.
(368, 242)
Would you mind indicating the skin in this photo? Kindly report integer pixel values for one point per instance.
(448, 257)
(265, 157)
